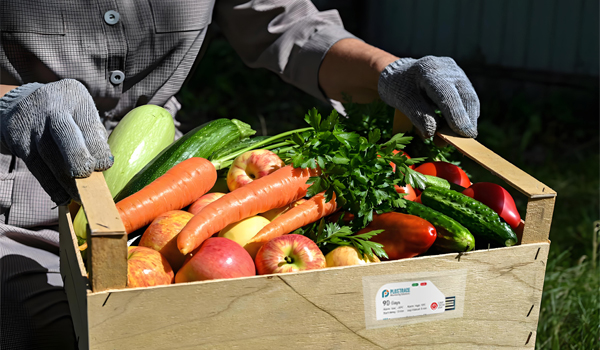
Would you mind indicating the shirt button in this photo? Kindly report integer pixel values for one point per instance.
(117, 77)
(111, 17)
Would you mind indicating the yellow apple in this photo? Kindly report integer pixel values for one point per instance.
(243, 231)
(347, 255)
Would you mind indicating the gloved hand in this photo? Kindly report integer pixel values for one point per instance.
(55, 128)
(418, 87)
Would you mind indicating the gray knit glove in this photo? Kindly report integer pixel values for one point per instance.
(55, 128)
(418, 87)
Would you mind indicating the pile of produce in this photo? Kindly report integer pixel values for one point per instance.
(219, 203)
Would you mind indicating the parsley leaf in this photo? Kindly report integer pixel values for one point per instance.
(363, 118)
(329, 236)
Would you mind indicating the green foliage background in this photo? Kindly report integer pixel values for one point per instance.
(551, 134)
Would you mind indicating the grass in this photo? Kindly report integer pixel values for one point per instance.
(553, 136)
(569, 314)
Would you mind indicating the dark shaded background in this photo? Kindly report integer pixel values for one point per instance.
(539, 110)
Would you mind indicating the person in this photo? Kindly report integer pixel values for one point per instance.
(77, 69)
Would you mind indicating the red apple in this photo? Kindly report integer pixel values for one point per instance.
(252, 165)
(161, 235)
(216, 258)
(348, 255)
(146, 267)
(204, 201)
(289, 253)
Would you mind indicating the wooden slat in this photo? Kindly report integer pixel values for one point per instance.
(98, 204)
(498, 166)
(74, 275)
(538, 220)
(503, 294)
(106, 237)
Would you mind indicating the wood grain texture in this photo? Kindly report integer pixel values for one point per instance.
(99, 205)
(503, 294)
(498, 166)
(106, 237)
(538, 220)
(74, 275)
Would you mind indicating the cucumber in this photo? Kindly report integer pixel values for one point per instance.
(199, 142)
(434, 181)
(478, 218)
(142, 134)
(451, 235)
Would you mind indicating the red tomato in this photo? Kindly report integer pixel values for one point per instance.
(418, 199)
(445, 170)
(411, 195)
(498, 199)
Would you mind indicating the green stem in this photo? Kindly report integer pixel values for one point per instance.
(277, 145)
(226, 164)
(219, 163)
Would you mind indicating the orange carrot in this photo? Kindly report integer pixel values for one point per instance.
(306, 213)
(275, 190)
(176, 189)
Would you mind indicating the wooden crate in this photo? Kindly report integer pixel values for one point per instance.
(497, 292)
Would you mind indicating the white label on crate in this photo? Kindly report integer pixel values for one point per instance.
(406, 299)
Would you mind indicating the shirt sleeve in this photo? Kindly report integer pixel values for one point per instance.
(288, 37)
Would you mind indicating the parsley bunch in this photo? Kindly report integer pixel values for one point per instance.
(356, 168)
(363, 118)
(328, 236)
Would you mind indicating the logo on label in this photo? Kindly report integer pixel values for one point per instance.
(434, 306)
(385, 293)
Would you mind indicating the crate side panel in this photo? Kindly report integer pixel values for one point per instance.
(538, 220)
(74, 277)
(325, 309)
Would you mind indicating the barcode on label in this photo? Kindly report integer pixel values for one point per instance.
(450, 303)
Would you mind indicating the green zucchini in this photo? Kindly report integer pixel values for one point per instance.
(139, 137)
(478, 218)
(237, 146)
(199, 142)
(451, 235)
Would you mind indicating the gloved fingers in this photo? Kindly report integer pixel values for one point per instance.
(63, 134)
(47, 179)
(470, 100)
(445, 95)
(88, 121)
(421, 113)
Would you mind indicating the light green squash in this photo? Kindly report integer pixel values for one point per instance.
(142, 134)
